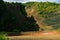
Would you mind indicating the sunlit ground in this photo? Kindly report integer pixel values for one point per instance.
(37, 36)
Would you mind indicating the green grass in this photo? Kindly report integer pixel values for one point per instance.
(3, 37)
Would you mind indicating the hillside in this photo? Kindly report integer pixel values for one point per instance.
(46, 14)
(30, 16)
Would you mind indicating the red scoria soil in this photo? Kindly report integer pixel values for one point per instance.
(35, 33)
(40, 33)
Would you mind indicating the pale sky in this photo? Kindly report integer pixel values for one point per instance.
(58, 1)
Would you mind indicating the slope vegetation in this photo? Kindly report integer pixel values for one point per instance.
(46, 14)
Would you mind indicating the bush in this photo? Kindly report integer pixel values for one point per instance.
(3, 37)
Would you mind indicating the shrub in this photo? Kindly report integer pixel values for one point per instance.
(3, 37)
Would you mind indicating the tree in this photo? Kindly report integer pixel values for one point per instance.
(1, 1)
(2, 9)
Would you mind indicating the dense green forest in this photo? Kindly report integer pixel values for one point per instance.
(30, 16)
(13, 18)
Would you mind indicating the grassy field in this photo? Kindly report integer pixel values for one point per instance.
(36, 36)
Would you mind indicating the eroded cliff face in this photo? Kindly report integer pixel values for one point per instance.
(45, 24)
(39, 20)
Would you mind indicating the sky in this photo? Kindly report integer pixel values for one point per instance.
(24, 1)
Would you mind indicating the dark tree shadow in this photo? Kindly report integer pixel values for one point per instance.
(30, 25)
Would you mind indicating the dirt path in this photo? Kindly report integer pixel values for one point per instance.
(36, 36)
(48, 37)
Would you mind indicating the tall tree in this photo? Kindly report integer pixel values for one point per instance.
(2, 9)
(1, 1)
